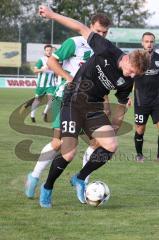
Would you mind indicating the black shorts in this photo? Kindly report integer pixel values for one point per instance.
(75, 118)
(142, 114)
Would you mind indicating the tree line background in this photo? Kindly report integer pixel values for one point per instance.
(23, 16)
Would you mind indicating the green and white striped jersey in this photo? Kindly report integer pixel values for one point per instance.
(47, 78)
(73, 53)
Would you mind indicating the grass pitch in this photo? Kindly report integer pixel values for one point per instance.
(132, 212)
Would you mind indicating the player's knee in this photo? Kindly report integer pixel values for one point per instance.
(138, 136)
(140, 129)
(111, 145)
(68, 156)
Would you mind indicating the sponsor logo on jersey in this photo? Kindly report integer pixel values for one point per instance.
(157, 63)
(152, 72)
(120, 81)
(104, 80)
(106, 63)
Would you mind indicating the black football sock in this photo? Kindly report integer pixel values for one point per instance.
(57, 167)
(138, 139)
(97, 159)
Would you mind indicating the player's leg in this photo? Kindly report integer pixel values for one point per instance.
(105, 136)
(48, 153)
(158, 142)
(49, 92)
(107, 141)
(100, 129)
(68, 150)
(155, 119)
(47, 107)
(141, 117)
(139, 139)
(39, 92)
(29, 102)
(87, 154)
(93, 144)
(34, 106)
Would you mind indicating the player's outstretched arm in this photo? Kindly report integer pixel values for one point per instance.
(76, 26)
(55, 66)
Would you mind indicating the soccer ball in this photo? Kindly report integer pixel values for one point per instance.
(97, 193)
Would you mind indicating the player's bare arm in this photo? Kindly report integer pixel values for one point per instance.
(55, 66)
(40, 70)
(76, 26)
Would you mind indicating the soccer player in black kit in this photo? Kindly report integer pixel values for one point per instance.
(108, 69)
(146, 100)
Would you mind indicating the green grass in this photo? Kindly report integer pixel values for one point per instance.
(132, 212)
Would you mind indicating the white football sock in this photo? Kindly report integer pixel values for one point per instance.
(48, 106)
(46, 157)
(34, 106)
(86, 158)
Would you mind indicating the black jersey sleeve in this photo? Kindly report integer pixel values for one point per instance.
(102, 46)
(123, 94)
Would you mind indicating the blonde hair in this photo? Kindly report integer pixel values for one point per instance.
(140, 59)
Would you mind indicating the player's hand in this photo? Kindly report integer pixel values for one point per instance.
(60, 89)
(46, 12)
(44, 68)
(69, 78)
(129, 103)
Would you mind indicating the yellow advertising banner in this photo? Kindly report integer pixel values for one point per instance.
(10, 54)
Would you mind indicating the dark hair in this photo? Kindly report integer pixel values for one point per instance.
(102, 19)
(48, 46)
(148, 33)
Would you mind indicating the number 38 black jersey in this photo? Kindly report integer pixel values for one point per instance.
(147, 86)
(100, 74)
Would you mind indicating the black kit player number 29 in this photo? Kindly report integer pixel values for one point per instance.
(139, 118)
